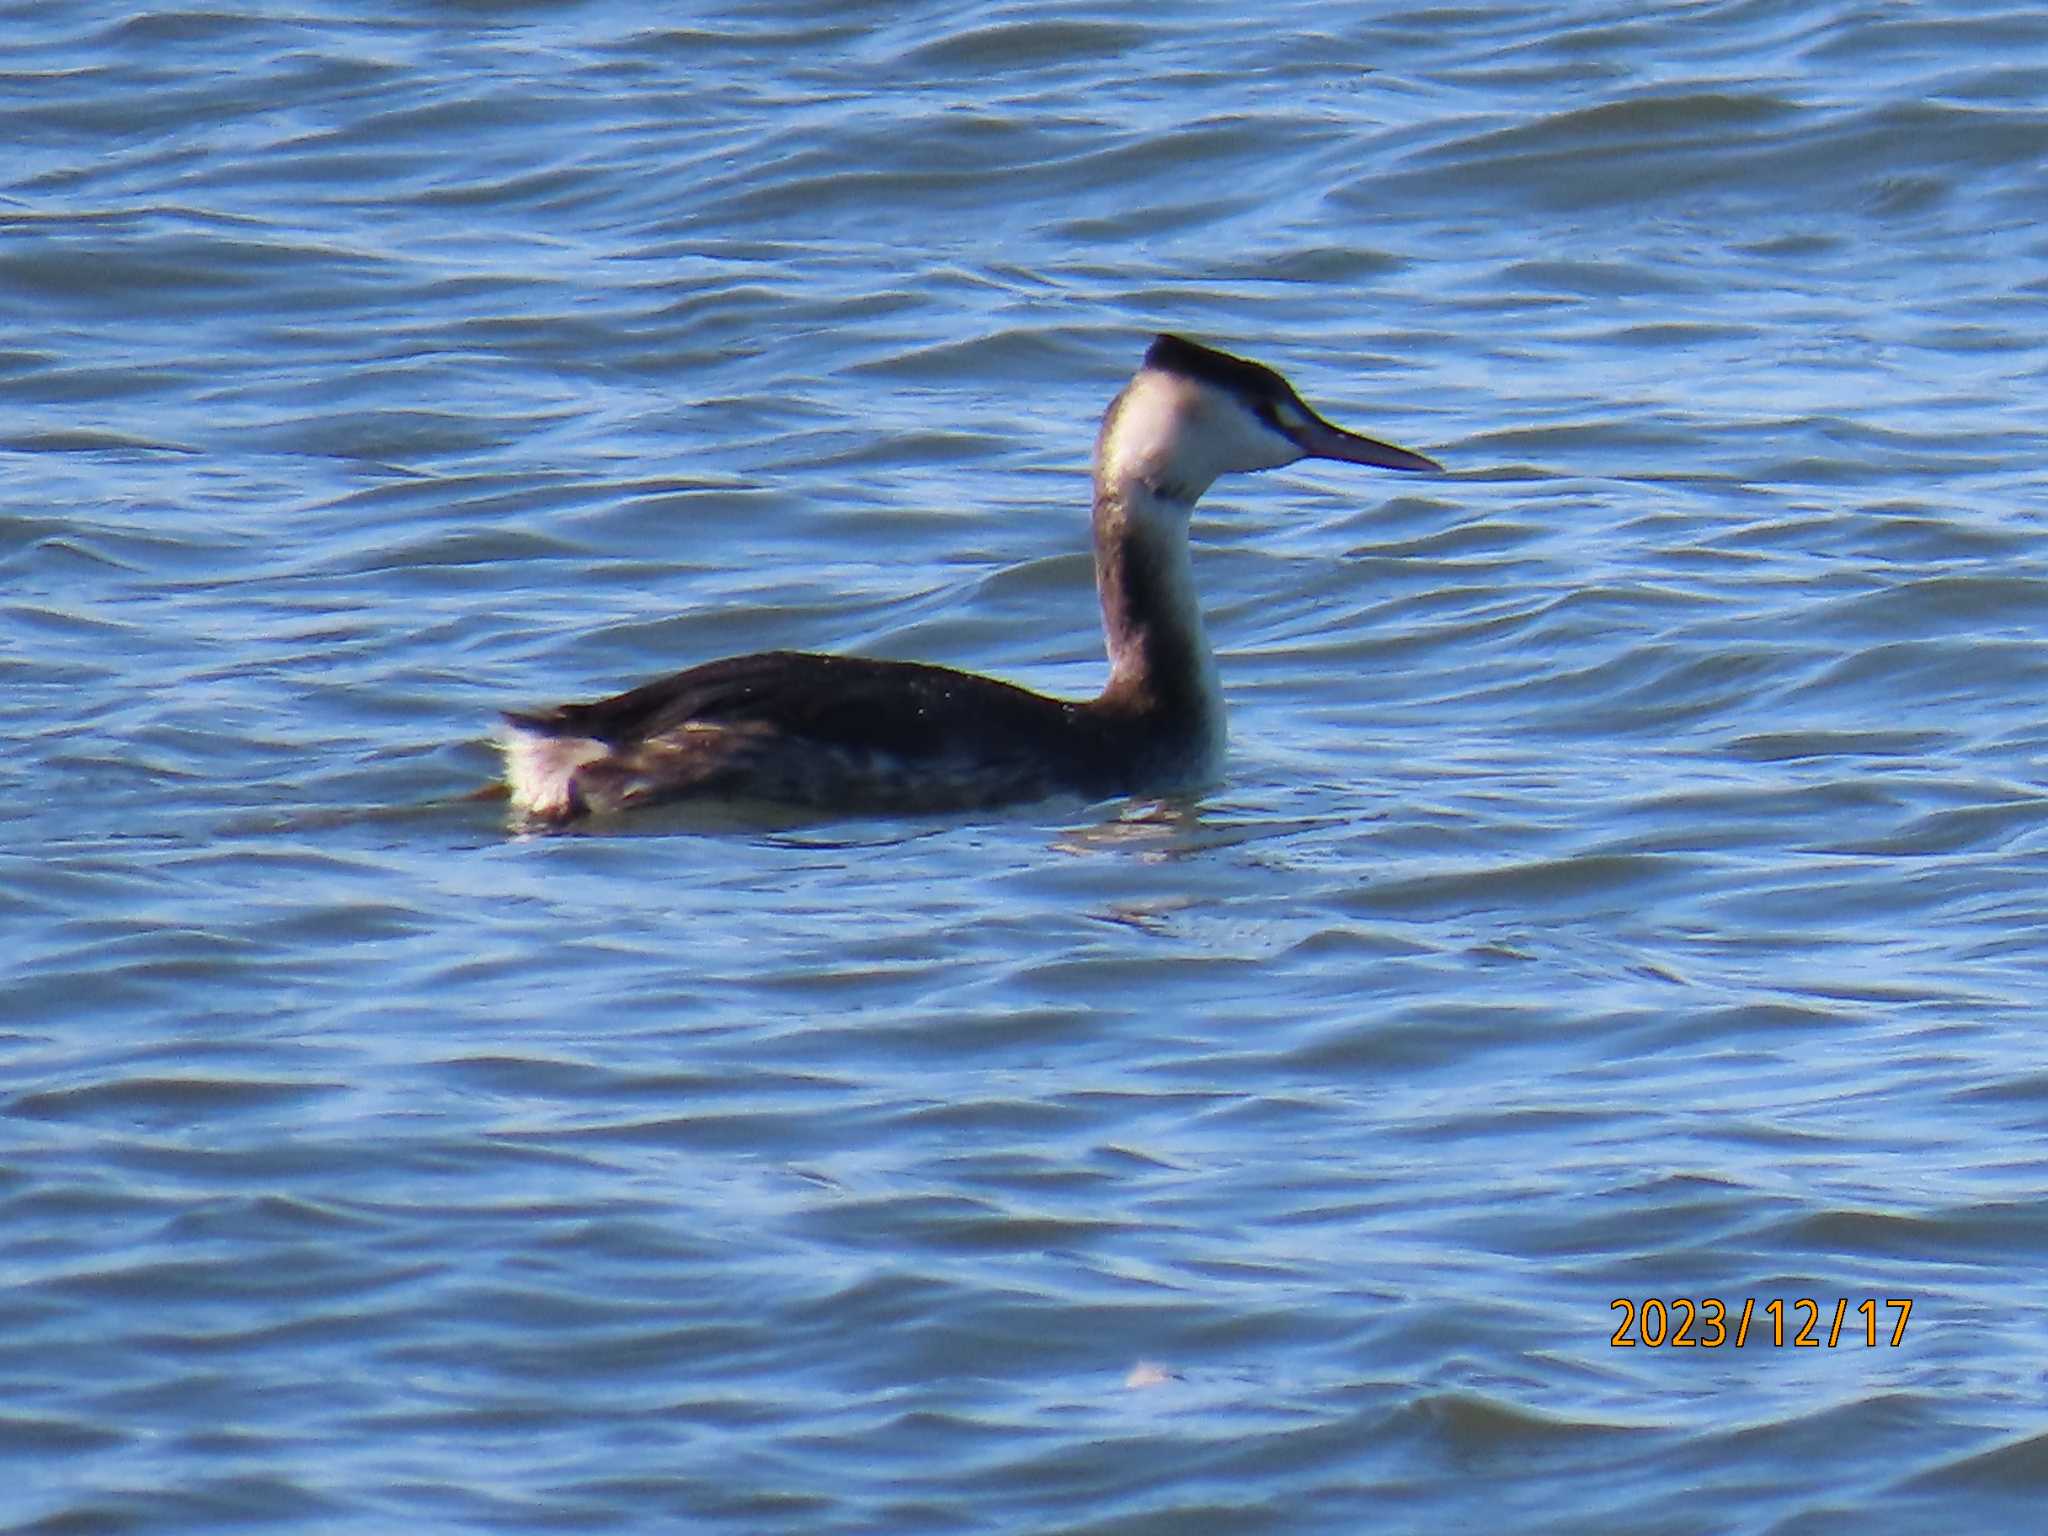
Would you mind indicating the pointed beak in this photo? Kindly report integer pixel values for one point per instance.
(1320, 440)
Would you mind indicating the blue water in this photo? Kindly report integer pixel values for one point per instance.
(1627, 883)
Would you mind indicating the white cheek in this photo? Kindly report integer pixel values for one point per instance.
(1240, 441)
(1151, 419)
(1176, 435)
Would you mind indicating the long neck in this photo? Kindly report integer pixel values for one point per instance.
(1160, 667)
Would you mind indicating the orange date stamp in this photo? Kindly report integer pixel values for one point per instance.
(1707, 1323)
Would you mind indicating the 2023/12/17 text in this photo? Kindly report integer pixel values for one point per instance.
(1683, 1323)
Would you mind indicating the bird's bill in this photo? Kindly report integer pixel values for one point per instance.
(1320, 440)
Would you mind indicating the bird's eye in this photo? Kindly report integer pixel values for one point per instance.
(1280, 416)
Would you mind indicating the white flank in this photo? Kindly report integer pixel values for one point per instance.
(539, 768)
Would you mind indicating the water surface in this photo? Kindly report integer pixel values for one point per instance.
(1626, 883)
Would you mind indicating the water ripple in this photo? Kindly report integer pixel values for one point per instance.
(1623, 884)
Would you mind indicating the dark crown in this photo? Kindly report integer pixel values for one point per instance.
(1239, 375)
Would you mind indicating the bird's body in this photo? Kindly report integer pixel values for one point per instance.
(849, 734)
(843, 732)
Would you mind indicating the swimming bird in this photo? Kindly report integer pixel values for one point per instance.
(849, 734)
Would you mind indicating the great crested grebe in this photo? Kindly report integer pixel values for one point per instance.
(844, 733)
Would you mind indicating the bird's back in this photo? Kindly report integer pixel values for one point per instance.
(842, 732)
